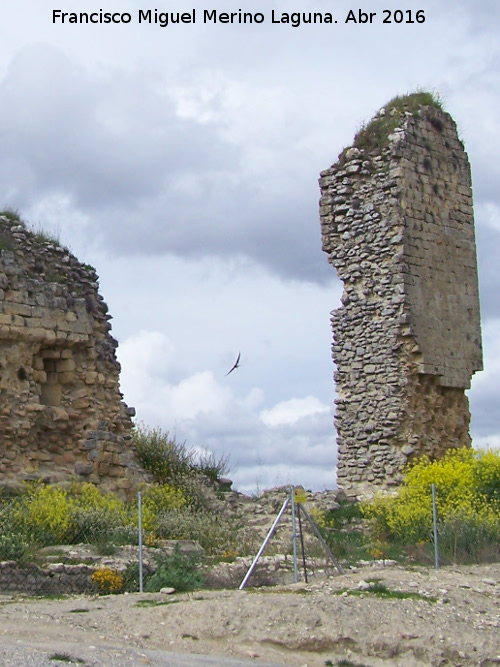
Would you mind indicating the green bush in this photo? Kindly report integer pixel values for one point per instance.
(14, 547)
(49, 515)
(157, 500)
(212, 467)
(174, 463)
(160, 454)
(95, 515)
(45, 515)
(469, 539)
(179, 571)
(13, 215)
(343, 531)
(213, 532)
(131, 578)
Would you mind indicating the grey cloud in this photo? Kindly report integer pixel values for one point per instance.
(248, 441)
(104, 140)
(221, 218)
(488, 242)
(484, 410)
(149, 181)
(484, 401)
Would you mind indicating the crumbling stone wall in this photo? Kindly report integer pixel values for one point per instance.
(61, 411)
(397, 223)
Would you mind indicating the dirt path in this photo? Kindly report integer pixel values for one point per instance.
(450, 617)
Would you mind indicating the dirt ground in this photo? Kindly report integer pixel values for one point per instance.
(450, 617)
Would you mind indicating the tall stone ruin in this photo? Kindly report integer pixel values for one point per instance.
(61, 411)
(397, 223)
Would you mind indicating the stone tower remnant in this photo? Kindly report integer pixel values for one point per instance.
(397, 223)
(61, 412)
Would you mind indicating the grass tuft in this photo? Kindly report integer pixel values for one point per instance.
(373, 135)
(12, 214)
(46, 236)
(380, 590)
(65, 657)
(155, 603)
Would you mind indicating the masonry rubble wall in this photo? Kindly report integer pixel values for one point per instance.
(397, 223)
(62, 416)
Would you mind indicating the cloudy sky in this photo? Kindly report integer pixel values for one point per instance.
(182, 162)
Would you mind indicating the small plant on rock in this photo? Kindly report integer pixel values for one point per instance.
(12, 214)
(161, 454)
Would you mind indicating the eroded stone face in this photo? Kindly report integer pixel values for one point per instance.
(397, 223)
(61, 411)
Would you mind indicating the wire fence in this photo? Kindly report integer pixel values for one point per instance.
(98, 556)
(106, 558)
(464, 537)
(106, 555)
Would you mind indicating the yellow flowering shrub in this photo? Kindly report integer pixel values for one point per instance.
(157, 500)
(108, 580)
(96, 514)
(487, 475)
(467, 483)
(48, 514)
(44, 513)
(318, 516)
(88, 496)
(230, 555)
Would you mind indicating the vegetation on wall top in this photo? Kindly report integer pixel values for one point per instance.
(373, 135)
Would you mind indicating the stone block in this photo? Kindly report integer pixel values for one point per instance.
(67, 378)
(58, 414)
(63, 365)
(51, 354)
(103, 468)
(81, 403)
(51, 394)
(83, 468)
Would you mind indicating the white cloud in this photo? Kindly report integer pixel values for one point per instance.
(290, 411)
(490, 213)
(292, 440)
(487, 442)
(146, 354)
(149, 372)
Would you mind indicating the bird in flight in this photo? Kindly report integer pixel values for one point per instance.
(235, 365)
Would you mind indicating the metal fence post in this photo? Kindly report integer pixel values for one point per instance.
(294, 536)
(139, 512)
(264, 544)
(434, 520)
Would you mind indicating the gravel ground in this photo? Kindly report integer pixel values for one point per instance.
(450, 617)
(19, 655)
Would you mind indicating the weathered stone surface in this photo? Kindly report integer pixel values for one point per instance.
(397, 223)
(59, 377)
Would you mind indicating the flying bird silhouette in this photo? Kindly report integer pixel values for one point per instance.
(235, 365)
